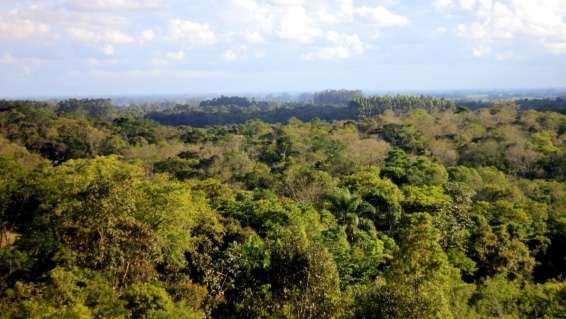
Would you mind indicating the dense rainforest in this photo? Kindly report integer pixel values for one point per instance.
(372, 207)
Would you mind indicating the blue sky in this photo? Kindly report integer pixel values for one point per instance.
(98, 47)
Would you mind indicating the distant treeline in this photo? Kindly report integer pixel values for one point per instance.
(227, 100)
(554, 105)
(375, 105)
(339, 106)
(211, 113)
(235, 115)
(326, 105)
(336, 97)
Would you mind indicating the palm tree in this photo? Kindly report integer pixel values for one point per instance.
(347, 207)
(344, 203)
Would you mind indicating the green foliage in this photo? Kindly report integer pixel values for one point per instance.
(375, 105)
(425, 198)
(396, 166)
(418, 282)
(425, 172)
(97, 109)
(546, 300)
(336, 97)
(412, 211)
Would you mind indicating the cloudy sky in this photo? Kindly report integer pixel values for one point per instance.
(82, 47)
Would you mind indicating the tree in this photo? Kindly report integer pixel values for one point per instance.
(281, 276)
(424, 172)
(105, 214)
(11, 180)
(419, 280)
(396, 165)
(306, 184)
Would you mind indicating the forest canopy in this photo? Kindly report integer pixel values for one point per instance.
(341, 207)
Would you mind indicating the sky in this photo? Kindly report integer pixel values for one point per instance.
(122, 47)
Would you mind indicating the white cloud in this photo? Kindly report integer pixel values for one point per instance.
(108, 50)
(237, 52)
(95, 37)
(246, 4)
(481, 51)
(335, 12)
(542, 21)
(306, 22)
(344, 46)
(42, 22)
(177, 55)
(555, 48)
(331, 28)
(7, 58)
(351, 41)
(115, 4)
(380, 16)
(254, 37)
(297, 25)
(229, 55)
(147, 35)
(467, 4)
(103, 34)
(461, 4)
(15, 26)
(442, 4)
(191, 33)
(251, 16)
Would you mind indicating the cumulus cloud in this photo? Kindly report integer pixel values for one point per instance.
(7, 58)
(309, 22)
(100, 36)
(108, 50)
(297, 25)
(304, 20)
(451, 4)
(229, 55)
(15, 25)
(442, 4)
(467, 4)
(555, 48)
(350, 41)
(96, 31)
(543, 21)
(191, 33)
(115, 4)
(324, 29)
(177, 55)
(254, 37)
(147, 35)
(343, 46)
(238, 52)
(51, 22)
(380, 16)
